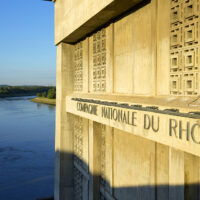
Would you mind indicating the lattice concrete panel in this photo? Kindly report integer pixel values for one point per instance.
(176, 38)
(191, 33)
(105, 191)
(103, 153)
(191, 8)
(190, 81)
(78, 140)
(99, 61)
(176, 61)
(102, 197)
(78, 67)
(176, 13)
(103, 161)
(78, 157)
(185, 47)
(176, 83)
(78, 188)
(191, 59)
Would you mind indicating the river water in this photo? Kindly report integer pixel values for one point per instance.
(26, 149)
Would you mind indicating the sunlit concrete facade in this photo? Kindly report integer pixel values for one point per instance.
(128, 106)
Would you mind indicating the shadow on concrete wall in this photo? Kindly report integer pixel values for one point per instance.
(95, 183)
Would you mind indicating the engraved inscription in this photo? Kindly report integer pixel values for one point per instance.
(150, 122)
(185, 131)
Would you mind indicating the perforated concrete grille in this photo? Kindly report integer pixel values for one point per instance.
(103, 154)
(78, 187)
(102, 197)
(78, 157)
(78, 140)
(106, 192)
(99, 61)
(103, 162)
(78, 67)
(185, 47)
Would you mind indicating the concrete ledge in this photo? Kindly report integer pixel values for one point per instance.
(183, 104)
(105, 16)
(176, 129)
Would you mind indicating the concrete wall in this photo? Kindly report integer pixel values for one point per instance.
(70, 15)
(143, 33)
(132, 59)
(135, 33)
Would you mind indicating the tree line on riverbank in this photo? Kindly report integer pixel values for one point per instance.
(16, 91)
(50, 94)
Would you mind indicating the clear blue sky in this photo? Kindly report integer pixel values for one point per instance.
(27, 51)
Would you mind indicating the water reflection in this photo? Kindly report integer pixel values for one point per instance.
(39, 105)
(51, 107)
(26, 149)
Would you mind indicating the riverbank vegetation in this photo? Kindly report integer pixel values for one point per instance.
(47, 97)
(50, 94)
(17, 91)
(44, 100)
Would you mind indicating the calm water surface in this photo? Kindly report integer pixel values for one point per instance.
(26, 149)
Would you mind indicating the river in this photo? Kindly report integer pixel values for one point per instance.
(26, 149)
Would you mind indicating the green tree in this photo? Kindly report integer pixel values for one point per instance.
(44, 94)
(38, 94)
(51, 93)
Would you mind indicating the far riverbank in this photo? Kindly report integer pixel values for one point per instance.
(44, 100)
(20, 91)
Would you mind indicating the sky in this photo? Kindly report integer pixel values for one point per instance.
(27, 50)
